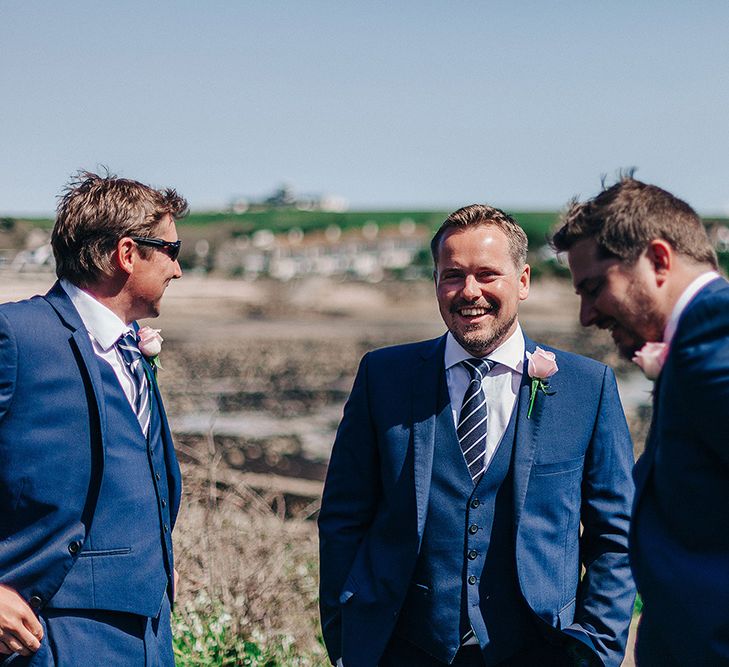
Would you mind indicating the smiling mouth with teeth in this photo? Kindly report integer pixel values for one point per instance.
(472, 310)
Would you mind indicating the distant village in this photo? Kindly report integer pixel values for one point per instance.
(370, 252)
(286, 197)
(366, 253)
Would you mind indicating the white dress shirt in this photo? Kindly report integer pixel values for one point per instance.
(501, 385)
(689, 293)
(104, 329)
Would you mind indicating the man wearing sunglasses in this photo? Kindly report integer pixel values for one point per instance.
(89, 482)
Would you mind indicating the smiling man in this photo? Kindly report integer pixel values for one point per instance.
(89, 482)
(461, 472)
(643, 267)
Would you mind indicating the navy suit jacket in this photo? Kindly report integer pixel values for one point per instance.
(53, 436)
(572, 464)
(680, 532)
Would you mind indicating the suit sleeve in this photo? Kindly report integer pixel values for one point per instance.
(606, 593)
(8, 377)
(349, 502)
(8, 368)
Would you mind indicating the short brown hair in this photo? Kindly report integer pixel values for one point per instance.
(95, 211)
(624, 218)
(477, 215)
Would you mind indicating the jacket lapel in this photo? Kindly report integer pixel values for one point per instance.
(174, 477)
(426, 382)
(645, 461)
(60, 302)
(525, 438)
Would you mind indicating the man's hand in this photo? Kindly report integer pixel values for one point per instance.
(20, 630)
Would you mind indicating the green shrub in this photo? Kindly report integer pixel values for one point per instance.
(204, 636)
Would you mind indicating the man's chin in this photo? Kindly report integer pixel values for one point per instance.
(478, 346)
(627, 345)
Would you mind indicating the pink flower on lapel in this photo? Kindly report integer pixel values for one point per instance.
(542, 366)
(651, 358)
(150, 344)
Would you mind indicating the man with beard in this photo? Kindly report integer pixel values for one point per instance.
(644, 268)
(460, 474)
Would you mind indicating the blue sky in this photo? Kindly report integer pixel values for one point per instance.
(388, 104)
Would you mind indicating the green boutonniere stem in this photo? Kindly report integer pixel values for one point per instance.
(538, 384)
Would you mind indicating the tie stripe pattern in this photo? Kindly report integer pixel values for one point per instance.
(473, 420)
(129, 350)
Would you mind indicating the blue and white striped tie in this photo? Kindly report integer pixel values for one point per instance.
(127, 346)
(473, 419)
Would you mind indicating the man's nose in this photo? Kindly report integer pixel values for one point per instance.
(471, 289)
(588, 315)
(177, 270)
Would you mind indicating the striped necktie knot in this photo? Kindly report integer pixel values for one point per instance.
(129, 350)
(478, 368)
(473, 419)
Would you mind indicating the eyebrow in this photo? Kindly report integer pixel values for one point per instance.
(581, 285)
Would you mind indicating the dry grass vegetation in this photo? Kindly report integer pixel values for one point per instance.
(249, 581)
(255, 377)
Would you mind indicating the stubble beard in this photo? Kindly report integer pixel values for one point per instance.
(479, 342)
(646, 322)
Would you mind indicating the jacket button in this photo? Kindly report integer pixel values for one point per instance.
(165, 528)
(473, 529)
(35, 602)
(471, 580)
(164, 502)
(74, 548)
(475, 503)
(158, 476)
(472, 554)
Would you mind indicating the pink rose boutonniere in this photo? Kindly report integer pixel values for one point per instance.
(542, 366)
(150, 345)
(651, 358)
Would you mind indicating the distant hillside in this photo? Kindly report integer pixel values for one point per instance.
(536, 224)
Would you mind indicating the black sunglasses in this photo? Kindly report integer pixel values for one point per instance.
(172, 248)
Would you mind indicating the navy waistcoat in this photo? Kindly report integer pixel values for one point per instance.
(465, 576)
(125, 562)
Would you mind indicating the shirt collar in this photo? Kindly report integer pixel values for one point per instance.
(510, 353)
(689, 293)
(104, 326)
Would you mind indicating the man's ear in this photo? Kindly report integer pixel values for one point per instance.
(126, 254)
(524, 282)
(661, 256)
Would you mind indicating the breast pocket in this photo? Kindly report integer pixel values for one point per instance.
(558, 467)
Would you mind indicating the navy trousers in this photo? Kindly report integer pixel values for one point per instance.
(89, 638)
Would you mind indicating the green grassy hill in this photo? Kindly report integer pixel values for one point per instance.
(536, 224)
